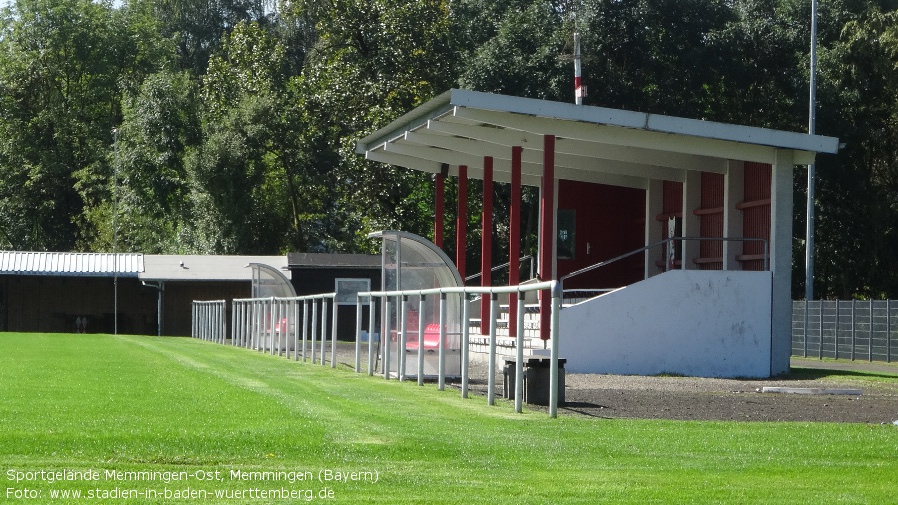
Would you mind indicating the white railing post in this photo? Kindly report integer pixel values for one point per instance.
(334, 307)
(421, 308)
(465, 341)
(491, 366)
(519, 357)
(323, 328)
(358, 334)
(314, 335)
(296, 323)
(553, 371)
(441, 355)
(403, 335)
(305, 328)
(386, 338)
(370, 335)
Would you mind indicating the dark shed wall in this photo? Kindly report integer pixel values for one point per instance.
(52, 304)
(318, 280)
(179, 297)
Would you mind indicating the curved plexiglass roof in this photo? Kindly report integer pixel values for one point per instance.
(268, 282)
(418, 263)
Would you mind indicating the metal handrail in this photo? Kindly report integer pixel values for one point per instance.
(552, 287)
(503, 265)
(662, 242)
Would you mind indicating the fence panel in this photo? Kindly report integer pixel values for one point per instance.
(845, 329)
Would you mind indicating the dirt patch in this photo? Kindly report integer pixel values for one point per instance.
(700, 399)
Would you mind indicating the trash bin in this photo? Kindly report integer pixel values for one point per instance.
(508, 379)
(537, 379)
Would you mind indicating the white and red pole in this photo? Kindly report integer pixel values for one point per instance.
(579, 88)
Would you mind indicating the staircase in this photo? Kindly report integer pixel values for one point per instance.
(479, 340)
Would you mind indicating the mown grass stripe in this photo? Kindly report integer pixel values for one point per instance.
(138, 403)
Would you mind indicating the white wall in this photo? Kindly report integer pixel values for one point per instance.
(690, 322)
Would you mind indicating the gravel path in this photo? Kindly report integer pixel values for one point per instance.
(691, 398)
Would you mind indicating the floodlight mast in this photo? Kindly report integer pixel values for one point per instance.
(812, 113)
(115, 228)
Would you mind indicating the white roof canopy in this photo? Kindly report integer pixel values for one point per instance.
(593, 144)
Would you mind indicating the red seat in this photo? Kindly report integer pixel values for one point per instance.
(431, 338)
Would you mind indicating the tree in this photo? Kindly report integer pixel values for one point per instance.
(59, 67)
(237, 181)
(857, 245)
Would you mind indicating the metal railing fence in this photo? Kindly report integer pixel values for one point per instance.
(845, 329)
(287, 325)
(403, 298)
(209, 321)
(670, 240)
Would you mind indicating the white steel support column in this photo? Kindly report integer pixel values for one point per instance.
(403, 336)
(781, 261)
(371, 335)
(358, 333)
(388, 312)
(421, 307)
(733, 193)
(323, 328)
(654, 205)
(313, 338)
(334, 308)
(692, 199)
(305, 328)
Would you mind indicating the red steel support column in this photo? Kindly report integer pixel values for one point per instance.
(514, 238)
(547, 233)
(440, 197)
(486, 236)
(461, 223)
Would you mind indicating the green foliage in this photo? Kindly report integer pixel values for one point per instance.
(237, 119)
(59, 67)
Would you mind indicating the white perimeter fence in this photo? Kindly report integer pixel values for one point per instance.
(270, 325)
(845, 329)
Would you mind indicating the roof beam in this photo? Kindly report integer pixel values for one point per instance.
(631, 154)
(531, 171)
(622, 136)
(441, 144)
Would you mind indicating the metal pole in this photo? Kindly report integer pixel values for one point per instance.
(334, 307)
(314, 328)
(272, 335)
(812, 113)
(371, 335)
(115, 227)
(519, 357)
(465, 341)
(888, 330)
(421, 308)
(305, 328)
(441, 367)
(323, 327)
(358, 334)
(403, 335)
(553, 366)
(276, 325)
(491, 365)
(388, 313)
